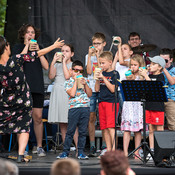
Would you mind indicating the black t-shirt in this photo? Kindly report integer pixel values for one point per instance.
(155, 106)
(105, 93)
(33, 71)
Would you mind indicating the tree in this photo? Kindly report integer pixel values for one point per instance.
(3, 5)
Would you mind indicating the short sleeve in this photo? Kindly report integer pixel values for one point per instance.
(68, 85)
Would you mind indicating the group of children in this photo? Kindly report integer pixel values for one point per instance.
(82, 101)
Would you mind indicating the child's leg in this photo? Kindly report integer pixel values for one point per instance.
(112, 135)
(151, 136)
(138, 137)
(107, 139)
(72, 124)
(159, 128)
(84, 113)
(126, 140)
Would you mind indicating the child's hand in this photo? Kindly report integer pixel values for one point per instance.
(97, 53)
(92, 50)
(56, 57)
(83, 81)
(143, 72)
(65, 58)
(130, 77)
(99, 75)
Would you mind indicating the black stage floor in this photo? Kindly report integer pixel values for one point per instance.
(41, 165)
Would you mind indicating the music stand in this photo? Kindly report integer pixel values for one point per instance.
(144, 91)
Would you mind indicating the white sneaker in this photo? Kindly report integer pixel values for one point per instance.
(149, 157)
(41, 152)
(102, 153)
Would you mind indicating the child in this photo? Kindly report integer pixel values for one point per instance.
(79, 111)
(154, 110)
(106, 86)
(58, 108)
(121, 64)
(98, 44)
(132, 112)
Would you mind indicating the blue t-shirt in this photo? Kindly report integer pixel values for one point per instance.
(105, 94)
(171, 88)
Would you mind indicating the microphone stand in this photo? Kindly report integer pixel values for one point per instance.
(116, 112)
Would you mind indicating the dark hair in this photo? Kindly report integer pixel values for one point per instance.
(132, 34)
(166, 51)
(77, 63)
(114, 163)
(99, 35)
(3, 43)
(130, 48)
(23, 30)
(71, 49)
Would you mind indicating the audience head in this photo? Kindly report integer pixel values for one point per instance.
(66, 167)
(115, 163)
(167, 55)
(134, 39)
(3, 168)
(28, 29)
(3, 44)
(12, 168)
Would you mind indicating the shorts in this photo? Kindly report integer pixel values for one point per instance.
(93, 101)
(155, 117)
(38, 100)
(107, 115)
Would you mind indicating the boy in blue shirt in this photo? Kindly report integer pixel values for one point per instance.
(106, 86)
(79, 111)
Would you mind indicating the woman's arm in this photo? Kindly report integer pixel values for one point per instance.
(57, 44)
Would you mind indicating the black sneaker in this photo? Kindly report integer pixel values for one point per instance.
(92, 152)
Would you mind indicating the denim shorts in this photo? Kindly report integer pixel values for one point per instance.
(93, 101)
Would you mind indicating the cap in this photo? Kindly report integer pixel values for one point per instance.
(159, 60)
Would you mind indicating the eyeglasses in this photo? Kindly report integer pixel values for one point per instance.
(96, 44)
(166, 61)
(136, 39)
(77, 70)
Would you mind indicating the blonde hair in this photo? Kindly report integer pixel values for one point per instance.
(107, 55)
(65, 167)
(139, 59)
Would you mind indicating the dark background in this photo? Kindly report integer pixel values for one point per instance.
(76, 21)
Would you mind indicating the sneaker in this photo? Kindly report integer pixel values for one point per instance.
(103, 147)
(34, 150)
(92, 152)
(149, 157)
(102, 153)
(26, 153)
(63, 155)
(83, 156)
(40, 152)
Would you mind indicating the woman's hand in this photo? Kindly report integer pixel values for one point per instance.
(58, 43)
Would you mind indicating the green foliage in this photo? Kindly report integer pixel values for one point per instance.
(3, 4)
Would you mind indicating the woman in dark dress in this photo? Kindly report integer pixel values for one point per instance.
(15, 97)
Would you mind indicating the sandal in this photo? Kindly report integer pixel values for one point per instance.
(22, 159)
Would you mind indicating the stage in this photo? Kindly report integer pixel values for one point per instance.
(42, 165)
